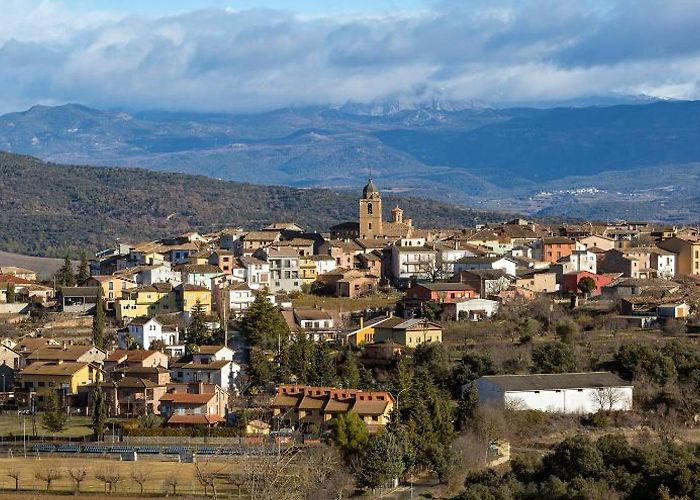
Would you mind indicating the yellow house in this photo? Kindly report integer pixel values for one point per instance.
(199, 258)
(307, 269)
(146, 301)
(257, 428)
(365, 333)
(687, 250)
(112, 287)
(63, 376)
(189, 295)
(408, 332)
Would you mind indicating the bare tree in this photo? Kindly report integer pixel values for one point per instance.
(15, 474)
(78, 476)
(48, 476)
(235, 479)
(206, 479)
(140, 477)
(607, 398)
(172, 481)
(110, 478)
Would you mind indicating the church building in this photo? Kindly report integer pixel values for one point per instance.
(370, 224)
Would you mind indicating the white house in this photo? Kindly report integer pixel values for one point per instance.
(475, 309)
(412, 258)
(663, 262)
(211, 364)
(324, 264)
(448, 255)
(581, 260)
(145, 330)
(257, 272)
(484, 263)
(236, 299)
(284, 268)
(159, 273)
(558, 392)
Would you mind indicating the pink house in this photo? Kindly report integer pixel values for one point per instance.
(570, 281)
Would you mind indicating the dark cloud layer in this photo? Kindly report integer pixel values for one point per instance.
(261, 59)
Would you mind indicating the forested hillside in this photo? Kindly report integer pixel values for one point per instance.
(48, 209)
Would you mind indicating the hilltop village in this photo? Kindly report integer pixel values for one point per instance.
(458, 345)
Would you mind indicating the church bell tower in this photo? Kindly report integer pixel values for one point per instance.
(370, 211)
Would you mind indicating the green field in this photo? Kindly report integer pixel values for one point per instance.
(157, 474)
(12, 424)
(344, 304)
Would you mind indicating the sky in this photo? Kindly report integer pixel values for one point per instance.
(256, 55)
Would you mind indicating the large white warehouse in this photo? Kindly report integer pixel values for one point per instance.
(558, 392)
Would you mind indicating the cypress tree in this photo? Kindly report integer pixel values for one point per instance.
(348, 372)
(65, 276)
(283, 373)
(323, 372)
(99, 413)
(83, 270)
(98, 321)
(53, 419)
(300, 358)
(197, 331)
(10, 293)
(259, 368)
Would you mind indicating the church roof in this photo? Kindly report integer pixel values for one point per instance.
(369, 189)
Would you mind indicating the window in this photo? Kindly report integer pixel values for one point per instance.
(369, 225)
(42, 384)
(370, 210)
(110, 286)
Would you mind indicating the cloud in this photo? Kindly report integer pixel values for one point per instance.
(223, 59)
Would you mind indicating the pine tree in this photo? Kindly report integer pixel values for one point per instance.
(263, 324)
(348, 372)
(259, 368)
(65, 276)
(98, 321)
(323, 372)
(53, 419)
(283, 373)
(10, 293)
(83, 269)
(198, 332)
(301, 353)
(350, 434)
(382, 461)
(467, 407)
(99, 413)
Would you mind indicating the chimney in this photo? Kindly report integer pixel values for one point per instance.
(362, 322)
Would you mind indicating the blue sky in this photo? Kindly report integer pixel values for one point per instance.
(327, 7)
(252, 55)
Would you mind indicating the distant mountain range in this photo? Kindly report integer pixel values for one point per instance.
(595, 161)
(48, 209)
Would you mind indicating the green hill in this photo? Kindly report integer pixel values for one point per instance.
(48, 209)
